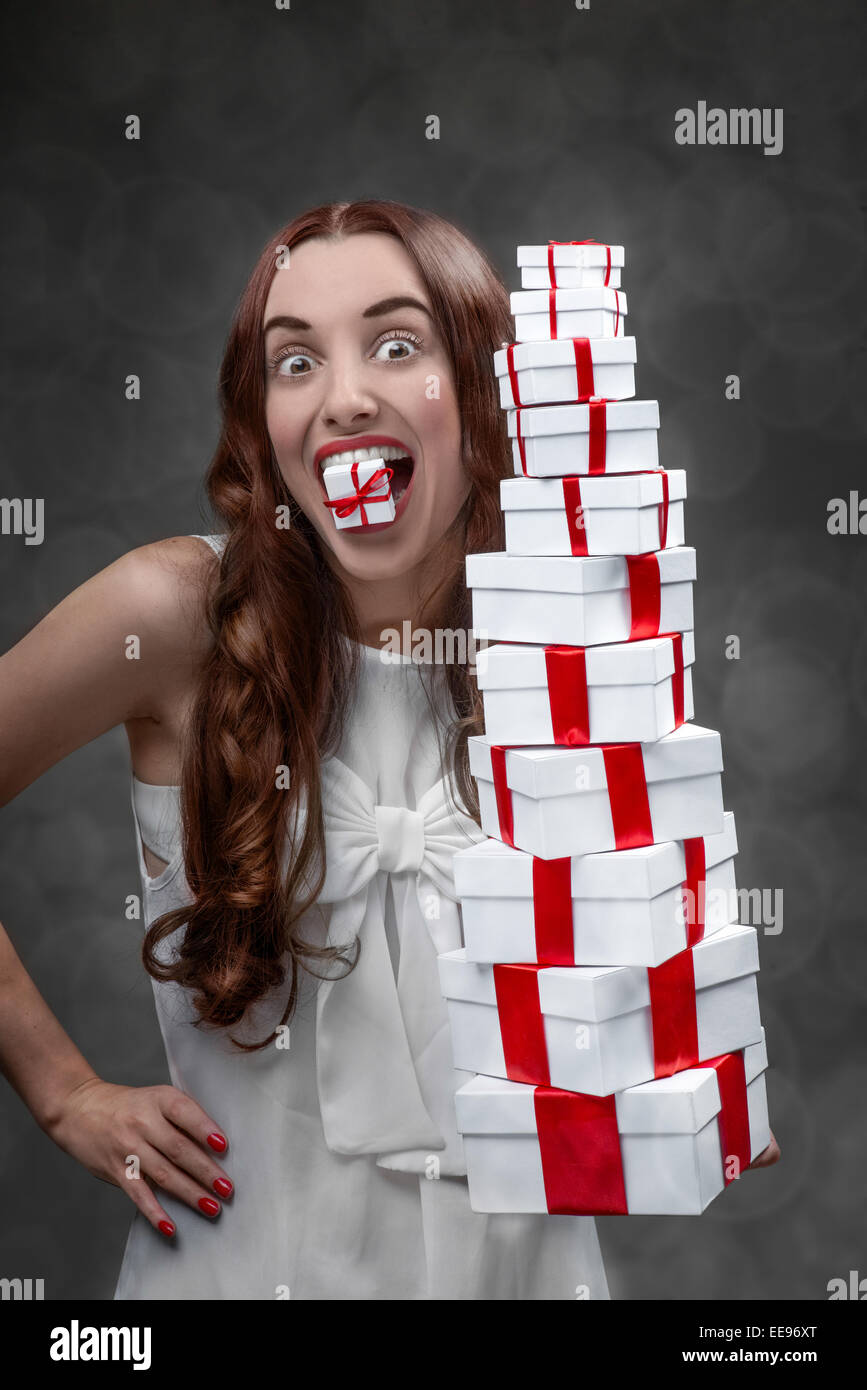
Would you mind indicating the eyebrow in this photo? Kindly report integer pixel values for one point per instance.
(382, 306)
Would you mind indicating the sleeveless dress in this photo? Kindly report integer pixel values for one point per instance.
(349, 1174)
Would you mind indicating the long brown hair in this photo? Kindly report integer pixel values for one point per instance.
(280, 679)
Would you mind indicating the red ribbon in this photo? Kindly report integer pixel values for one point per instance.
(575, 520)
(345, 506)
(513, 375)
(734, 1116)
(552, 911)
(552, 313)
(583, 369)
(695, 886)
(522, 1025)
(678, 679)
(579, 1143)
(502, 791)
(521, 449)
(627, 794)
(673, 1014)
(566, 672)
(552, 279)
(663, 509)
(597, 428)
(645, 595)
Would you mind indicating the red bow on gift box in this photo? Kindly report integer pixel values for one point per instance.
(345, 506)
(587, 242)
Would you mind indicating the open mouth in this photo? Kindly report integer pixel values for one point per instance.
(396, 459)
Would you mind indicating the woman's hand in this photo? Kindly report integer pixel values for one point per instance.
(768, 1156)
(138, 1137)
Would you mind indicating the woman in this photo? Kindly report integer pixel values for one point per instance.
(297, 800)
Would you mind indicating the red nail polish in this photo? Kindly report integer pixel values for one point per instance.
(167, 1228)
(208, 1206)
(217, 1142)
(223, 1187)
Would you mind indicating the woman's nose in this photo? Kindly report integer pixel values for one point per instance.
(347, 397)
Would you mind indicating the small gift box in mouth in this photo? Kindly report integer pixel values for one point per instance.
(364, 487)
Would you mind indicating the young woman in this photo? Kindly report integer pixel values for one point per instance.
(297, 801)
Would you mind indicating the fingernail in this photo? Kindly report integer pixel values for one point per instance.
(208, 1206)
(167, 1228)
(223, 1187)
(217, 1142)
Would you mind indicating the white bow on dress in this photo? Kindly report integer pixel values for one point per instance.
(384, 1064)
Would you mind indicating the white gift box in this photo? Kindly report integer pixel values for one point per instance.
(581, 601)
(630, 692)
(627, 907)
(556, 441)
(574, 265)
(348, 480)
(620, 514)
(558, 371)
(566, 801)
(673, 1154)
(593, 1026)
(596, 312)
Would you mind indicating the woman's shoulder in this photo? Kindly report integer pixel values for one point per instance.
(167, 584)
(128, 644)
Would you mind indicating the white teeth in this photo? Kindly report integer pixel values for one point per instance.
(375, 451)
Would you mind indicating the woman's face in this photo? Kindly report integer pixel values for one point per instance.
(351, 362)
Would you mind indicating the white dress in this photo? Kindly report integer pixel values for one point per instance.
(349, 1175)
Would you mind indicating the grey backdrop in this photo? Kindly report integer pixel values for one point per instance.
(124, 257)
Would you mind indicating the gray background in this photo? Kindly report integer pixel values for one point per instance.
(124, 257)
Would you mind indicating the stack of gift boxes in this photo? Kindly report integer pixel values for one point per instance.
(606, 995)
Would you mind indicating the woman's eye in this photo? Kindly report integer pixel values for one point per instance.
(398, 346)
(292, 364)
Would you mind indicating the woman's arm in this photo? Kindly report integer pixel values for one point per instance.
(80, 672)
(125, 646)
(36, 1056)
